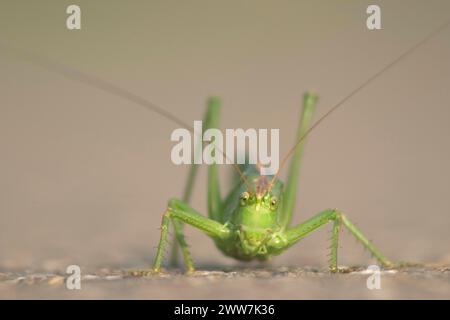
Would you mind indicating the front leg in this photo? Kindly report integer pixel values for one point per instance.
(294, 234)
(181, 211)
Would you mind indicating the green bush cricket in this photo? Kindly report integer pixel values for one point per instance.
(253, 221)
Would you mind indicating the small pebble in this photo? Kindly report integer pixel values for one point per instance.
(56, 281)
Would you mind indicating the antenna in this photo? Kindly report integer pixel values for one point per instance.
(355, 91)
(106, 86)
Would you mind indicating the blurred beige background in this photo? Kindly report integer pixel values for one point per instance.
(85, 176)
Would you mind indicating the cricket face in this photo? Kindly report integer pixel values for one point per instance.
(256, 219)
(258, 210)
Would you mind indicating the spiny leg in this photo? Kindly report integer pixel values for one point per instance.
(180, 242)
(294, 234)
(211, 120)
(177, 225)
(289, 200)
(366, 242)
(334, 244)
(180, 211)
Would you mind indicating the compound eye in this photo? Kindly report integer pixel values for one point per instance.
(274, 203)
(244, 198)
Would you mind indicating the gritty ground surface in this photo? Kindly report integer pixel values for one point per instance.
(430, 282)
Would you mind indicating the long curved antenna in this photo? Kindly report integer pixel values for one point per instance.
(101, 84)
(355, 91)
(105, 86)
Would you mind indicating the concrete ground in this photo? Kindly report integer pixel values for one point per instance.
(430, 282)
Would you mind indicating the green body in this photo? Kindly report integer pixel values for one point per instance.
(254, 220)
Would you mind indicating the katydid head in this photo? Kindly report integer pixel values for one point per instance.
(256, 218)
(259, 205)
